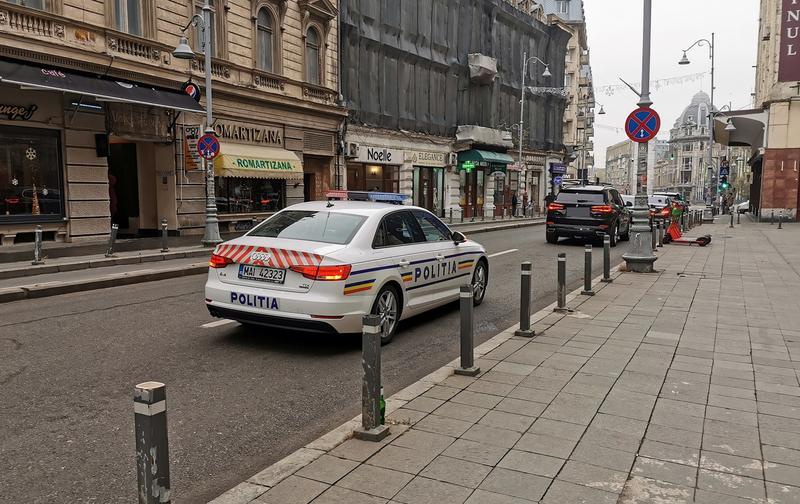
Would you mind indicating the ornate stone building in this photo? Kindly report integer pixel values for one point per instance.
(95, 127)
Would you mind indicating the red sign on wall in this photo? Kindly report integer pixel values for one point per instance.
(789, 62)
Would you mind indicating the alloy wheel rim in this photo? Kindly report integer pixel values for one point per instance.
(479, 282)
(387, 311)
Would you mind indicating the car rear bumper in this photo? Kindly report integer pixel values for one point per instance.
(577, 230)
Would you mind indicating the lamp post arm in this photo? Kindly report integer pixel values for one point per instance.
(196, 20)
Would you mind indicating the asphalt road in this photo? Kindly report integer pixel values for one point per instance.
(238, 400)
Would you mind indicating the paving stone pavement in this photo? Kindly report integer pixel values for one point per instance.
(680, 386)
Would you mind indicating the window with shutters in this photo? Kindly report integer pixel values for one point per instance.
(313, 56)
(219, 38)
(53, 6)
(265, 40)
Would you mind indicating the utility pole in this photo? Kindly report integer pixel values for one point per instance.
(640, 259)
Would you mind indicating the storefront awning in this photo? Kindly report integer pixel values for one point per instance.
(741, 128)
(484, 158)
(252, 161)
(54, 79)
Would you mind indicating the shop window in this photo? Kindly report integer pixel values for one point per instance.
(245, 195)
(217, 27)
(30, 174)
(265, 38)
(313, 53)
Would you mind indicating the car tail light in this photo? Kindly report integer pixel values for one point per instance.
(325, 273)
(554, 207)
(602, 209)
(218, 261)
(665, 211)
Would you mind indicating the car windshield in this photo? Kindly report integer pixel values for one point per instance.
(580, 197)
(325, 227)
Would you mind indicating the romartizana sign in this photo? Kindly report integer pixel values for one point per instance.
(249, 133)
(263, 164)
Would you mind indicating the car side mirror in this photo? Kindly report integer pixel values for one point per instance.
(628, 204)
(458, 237)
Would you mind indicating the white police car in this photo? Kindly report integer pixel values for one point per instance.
(320, 266)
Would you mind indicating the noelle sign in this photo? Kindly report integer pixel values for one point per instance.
(380, 155)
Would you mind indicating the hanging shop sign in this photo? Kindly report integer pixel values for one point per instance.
(17, 112)
(138, 121)
(193, 160)
(789, 63)
(380, 155)
(422, 158)
(249, 133)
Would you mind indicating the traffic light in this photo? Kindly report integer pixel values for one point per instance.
(723, 182)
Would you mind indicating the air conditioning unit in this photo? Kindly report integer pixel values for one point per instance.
(452, 159)
(352, 150)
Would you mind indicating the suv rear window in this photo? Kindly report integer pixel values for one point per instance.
(580, 197)
(325, 227)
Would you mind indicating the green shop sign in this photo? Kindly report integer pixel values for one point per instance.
(263, 164)
(468, 165)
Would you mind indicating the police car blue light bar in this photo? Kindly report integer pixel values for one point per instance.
(377, 197)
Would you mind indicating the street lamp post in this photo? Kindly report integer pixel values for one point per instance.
(211, 236)
(546, 73)
(640, 258)
(685, 61)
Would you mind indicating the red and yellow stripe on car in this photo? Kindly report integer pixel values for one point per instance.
(467, 264)
(267, 256)
(360, 286)
(407, 277)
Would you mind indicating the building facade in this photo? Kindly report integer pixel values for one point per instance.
(579, 114)
(621, 165)
(96, 126)
(771, 131)
(433, 94)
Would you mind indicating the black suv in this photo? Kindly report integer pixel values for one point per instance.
(588, 211)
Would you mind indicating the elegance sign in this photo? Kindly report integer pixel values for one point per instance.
(380, 155)
(17, 111)
(249, 133)
(422, 158)
(789, 63)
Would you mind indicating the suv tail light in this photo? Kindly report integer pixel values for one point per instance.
(602, 209)
(325, 273)
(554, 207)
(218, 261)
(665, 211)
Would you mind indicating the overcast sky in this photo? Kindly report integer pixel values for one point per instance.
(615, 41)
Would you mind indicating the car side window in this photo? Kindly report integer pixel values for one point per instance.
(399, 228)
(618, 198)
(380, 237)
(432, 228)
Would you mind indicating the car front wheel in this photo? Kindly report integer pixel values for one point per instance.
(551, 236)
(627, 234)
(480, 279)
(387, 307)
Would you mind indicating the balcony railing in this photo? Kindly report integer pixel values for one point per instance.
(317, 93)
(267, 80)
(29, 22)
(133, 47)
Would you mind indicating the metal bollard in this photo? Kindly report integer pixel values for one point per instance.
(738, 217)
(653, 235)
(112, 238)
(772, 218)
(468, 367)
(152, 445)
(660, 230)
(38, 257)
(525, 301)
(164, 245)
(451, 215)
(371, 428)
(780, 220)
(731, 226)
(606, 260)
(587, 271)
(561, 306)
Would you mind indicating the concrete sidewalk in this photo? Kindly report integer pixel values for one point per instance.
(679, 386)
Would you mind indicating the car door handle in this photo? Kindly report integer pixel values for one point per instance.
(403, 263)
(439, 257)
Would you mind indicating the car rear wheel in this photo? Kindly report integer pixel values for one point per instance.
(480, 278)
(551, 236)
(387, 307)
(627, 234)
(614, 235)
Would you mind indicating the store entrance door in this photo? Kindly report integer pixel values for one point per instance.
(429, 189)
(123, 187)
(472, 192)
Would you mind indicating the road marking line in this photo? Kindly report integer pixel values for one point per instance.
(509, 251)
(217, 323)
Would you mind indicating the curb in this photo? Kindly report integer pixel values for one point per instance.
(261, 482)
(47, 269)
(488, 229)
(57, 288)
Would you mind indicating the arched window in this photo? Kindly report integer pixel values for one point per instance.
(312, 56)
(266, 40)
